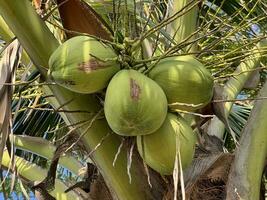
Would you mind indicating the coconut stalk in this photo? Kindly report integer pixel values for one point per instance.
(39, 43)
(31, 172)
(7, 35)
(45, 149)
(183, 27)
(246, 171)
(5, 32)
(31, 42)
(235, 84)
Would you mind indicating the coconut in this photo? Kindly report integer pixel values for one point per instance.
(83, 64)
(187, 84)
(158, 150)
(134, 104)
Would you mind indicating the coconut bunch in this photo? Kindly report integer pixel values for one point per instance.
(138, 104)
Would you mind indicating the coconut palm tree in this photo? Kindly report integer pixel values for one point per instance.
(50, 125)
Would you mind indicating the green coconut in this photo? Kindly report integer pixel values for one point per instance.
(134, 104)
(83, 64)
(187, 84)
(158, 150)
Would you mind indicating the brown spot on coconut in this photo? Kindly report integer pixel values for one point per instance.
(91, 65)
(135, 89)
(134, 104)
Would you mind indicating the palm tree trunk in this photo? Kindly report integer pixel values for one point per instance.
(246, 172)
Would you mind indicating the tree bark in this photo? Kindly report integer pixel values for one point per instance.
(246, 172)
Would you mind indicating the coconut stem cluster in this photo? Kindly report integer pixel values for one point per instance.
(138, 104)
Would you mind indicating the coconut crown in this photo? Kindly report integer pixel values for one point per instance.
(83, 64)
(187, 84)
